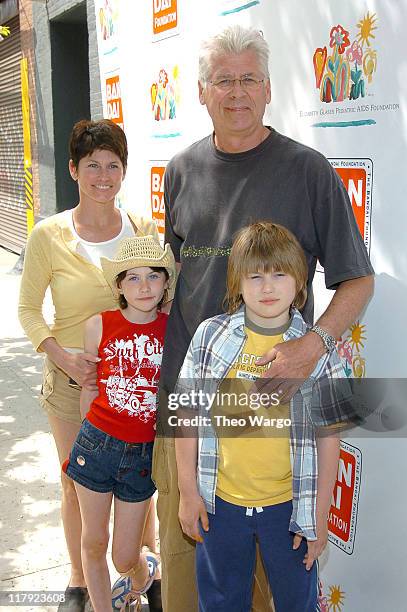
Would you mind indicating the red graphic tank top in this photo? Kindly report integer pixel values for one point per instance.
(127, 377)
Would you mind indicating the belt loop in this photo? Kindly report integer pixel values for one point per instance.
(143, 449)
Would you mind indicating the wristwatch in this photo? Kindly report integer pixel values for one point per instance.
(329, 341)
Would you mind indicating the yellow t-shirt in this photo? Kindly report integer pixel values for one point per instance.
(254, 462)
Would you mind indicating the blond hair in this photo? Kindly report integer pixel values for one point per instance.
(265, 247)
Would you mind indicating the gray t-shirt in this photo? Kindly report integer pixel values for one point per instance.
(209, 195)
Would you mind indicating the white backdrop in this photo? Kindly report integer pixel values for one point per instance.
(339, 84)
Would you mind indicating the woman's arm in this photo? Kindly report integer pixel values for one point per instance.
(93, 335)
(37, 275)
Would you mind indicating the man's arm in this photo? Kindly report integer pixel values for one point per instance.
(347, 303)
(296, 359)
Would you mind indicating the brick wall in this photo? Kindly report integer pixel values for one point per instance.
(36, 17)
(96, 107)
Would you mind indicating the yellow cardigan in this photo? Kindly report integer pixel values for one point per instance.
(79, 289)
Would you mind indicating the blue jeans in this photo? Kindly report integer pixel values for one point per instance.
(103, 463)
(225, 560)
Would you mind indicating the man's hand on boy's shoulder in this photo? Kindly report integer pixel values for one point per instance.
(291, 363)
(314, 547)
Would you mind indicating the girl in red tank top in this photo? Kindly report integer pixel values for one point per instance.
(112, 455)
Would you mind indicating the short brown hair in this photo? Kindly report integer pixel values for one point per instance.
(122, 300)
(87, 136)
(265, 247)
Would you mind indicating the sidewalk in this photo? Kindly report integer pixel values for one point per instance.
(33, 555)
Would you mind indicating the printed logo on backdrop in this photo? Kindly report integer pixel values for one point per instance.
(357, 176)
(165, 98)
(345, 70)
(334, 601)
(165, 19)
(107, 16)
(228, 7)
(157, 196)
(342, 517)
(114, 100)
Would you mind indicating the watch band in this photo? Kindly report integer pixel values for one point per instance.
(328, 340)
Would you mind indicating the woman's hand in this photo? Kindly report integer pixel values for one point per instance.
(191, 511)
(82, 368)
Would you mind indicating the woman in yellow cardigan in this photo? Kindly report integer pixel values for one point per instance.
(63, 253)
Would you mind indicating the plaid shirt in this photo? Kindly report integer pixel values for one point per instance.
(214, 348)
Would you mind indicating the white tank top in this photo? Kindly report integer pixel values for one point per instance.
(93, 251)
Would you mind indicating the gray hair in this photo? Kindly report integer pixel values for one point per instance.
(234, 40)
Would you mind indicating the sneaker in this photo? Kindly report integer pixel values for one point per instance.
(75, 599)
(124, 597)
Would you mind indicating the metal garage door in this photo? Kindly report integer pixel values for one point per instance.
(13, 224)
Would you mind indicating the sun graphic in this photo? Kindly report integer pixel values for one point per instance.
(336, 598)
(366, 27)
(357, 335)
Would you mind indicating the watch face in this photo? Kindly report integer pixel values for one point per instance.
(330, 342)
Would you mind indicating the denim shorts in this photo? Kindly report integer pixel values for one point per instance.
(105, 464)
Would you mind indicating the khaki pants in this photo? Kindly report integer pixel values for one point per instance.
(178, 587)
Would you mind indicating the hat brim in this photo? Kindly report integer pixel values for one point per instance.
(112, 267)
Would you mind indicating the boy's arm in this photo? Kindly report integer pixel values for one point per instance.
(93, 335)
(328, 458)
(191, 505)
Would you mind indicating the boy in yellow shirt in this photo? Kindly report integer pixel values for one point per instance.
(265, 486)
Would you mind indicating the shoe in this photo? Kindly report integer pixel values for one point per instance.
(75, 599)
(154, 596)
(124, 597)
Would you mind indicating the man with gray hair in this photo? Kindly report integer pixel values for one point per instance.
(243, 172)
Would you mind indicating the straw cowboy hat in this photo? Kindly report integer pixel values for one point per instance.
(138, 252)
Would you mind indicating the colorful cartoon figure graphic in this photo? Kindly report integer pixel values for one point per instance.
(322, 599)
(164, 95)
(339, 76)
(107, 18)
(349, 350)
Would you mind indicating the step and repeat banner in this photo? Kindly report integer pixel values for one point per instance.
(339, 85)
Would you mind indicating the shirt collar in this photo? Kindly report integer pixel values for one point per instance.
(297, 328)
